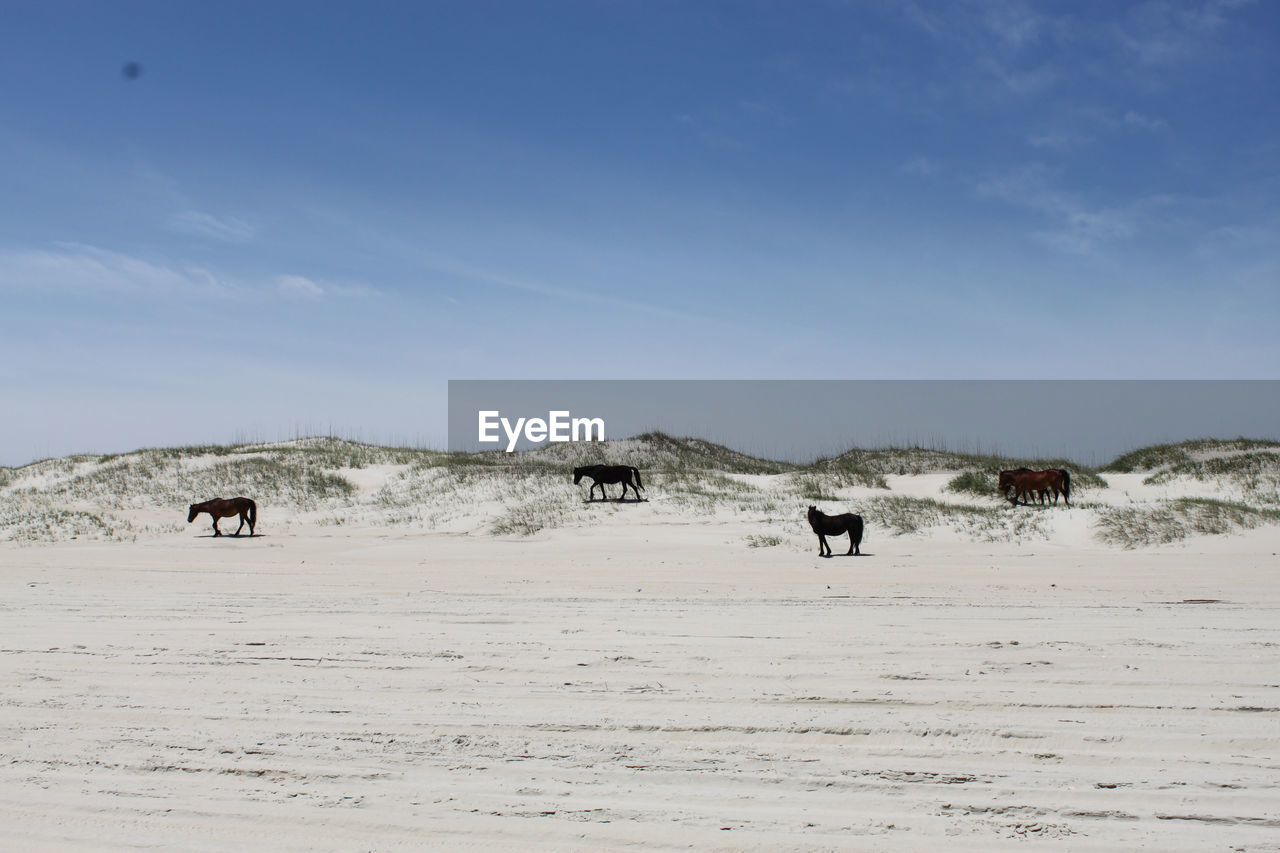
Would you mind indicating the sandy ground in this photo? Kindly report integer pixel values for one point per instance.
(642, 684)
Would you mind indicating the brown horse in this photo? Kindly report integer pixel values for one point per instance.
(1056, 479)
(225, 508)
(835, 525)
(1006, 483)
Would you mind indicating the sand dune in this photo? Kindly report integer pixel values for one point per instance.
(638, 676)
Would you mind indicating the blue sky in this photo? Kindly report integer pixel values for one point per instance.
(304, 217)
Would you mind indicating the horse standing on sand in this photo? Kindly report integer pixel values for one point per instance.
(1006, 482)
(225, 508)
(601, 474)
(835, 525)
(1056, 479)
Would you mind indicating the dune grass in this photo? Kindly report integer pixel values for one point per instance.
(144, 479)
(32, 524)
(901, 515)
(1168, 455)
(1174, 520)
(979, 483)
(93, 496)
(1256, 473)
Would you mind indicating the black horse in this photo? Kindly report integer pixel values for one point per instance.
(834, 525)
(601, 474)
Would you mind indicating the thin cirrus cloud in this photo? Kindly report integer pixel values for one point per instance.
(1144, 122)
(226, 229)
(299, 285)
(922, 167)
(73, 266)
(90, 269)
(1164, 33)
(1073, 225)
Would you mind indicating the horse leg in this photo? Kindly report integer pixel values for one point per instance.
(853, 547)
(216, 531)
(824, 549)
(242, 520)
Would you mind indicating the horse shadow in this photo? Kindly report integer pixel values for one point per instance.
(231, 536)
(616, 500)
(863, 554)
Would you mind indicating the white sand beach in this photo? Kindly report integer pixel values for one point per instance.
(638, 676)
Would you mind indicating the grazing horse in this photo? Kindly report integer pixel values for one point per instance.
(1056, 479)
(225, 508)
(835, 525)
(601, 474)
(1006, 483)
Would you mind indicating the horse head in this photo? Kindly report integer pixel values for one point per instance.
(577, 475)
(191, 516)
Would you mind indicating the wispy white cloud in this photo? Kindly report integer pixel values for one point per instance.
(922, 167)
(72, 266)
(227, 229)
(1021, 81)
(1016, 24)
(298, 285)
(478, 274)
(1164, 33)
(1060, 140)
(77, 267)
(1144, 122)
(1075, 226)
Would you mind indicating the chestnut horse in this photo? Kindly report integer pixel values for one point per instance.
(835, 525)
(1057, 479)
(1006, 483)
(225, 508)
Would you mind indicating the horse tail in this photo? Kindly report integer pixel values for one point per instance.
(855, 531)
(1066, 484)
(636, 471)
(253, 514)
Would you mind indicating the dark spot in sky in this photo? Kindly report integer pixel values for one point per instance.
(131, 70)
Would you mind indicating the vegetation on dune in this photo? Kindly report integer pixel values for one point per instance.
(917, 460)
(708, 491)
(844, 471)
(1257, 473)
(813, 488)
(155, 480)
(901, 515)
(973, 483)
(23, 522)
(522, 493)
(657, 451)
(1169, 455)
(1171, 521)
